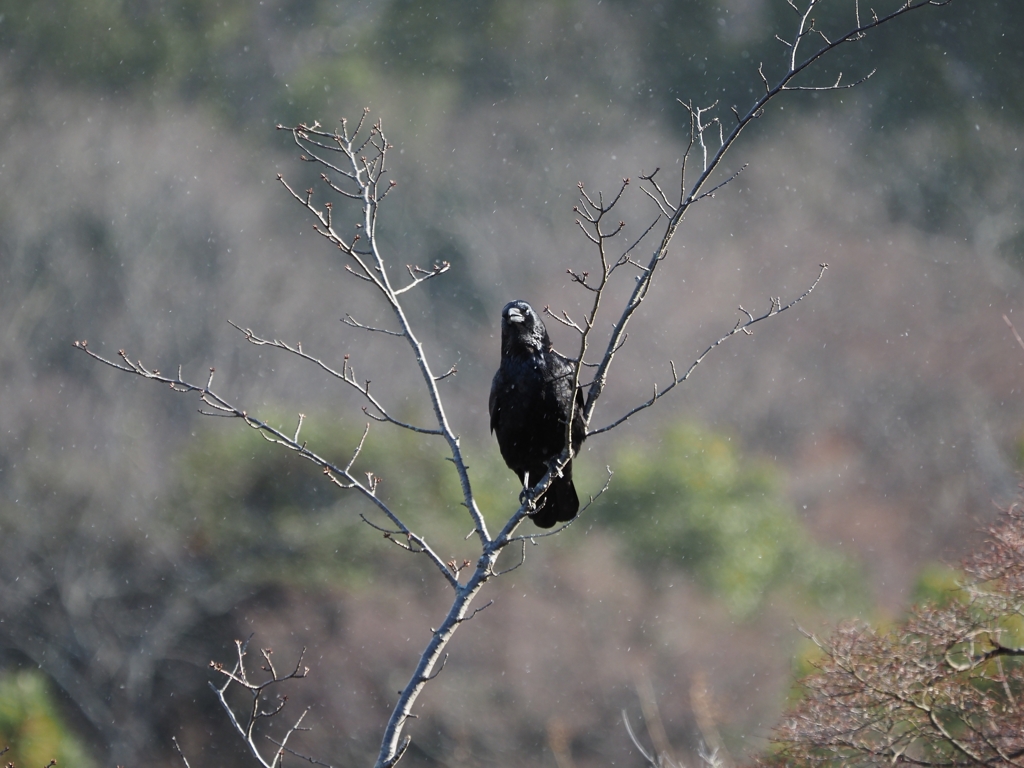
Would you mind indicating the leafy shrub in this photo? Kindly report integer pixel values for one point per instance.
(689, 500)
(31, 726)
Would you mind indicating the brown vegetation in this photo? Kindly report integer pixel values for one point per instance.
(940, 689)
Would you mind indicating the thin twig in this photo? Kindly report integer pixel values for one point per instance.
(742, 326)
(1014, 330)
(177, 748)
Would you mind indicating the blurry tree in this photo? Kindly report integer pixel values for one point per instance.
(114, 645)
(354, 170)
(256, 516)
(225, 52)
(282, 60)
(942, 688)
(721, 519)
(31, 727)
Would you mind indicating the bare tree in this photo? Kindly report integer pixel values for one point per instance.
(354, 168)
(941, 689)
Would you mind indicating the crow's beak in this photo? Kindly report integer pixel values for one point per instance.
(515, 316)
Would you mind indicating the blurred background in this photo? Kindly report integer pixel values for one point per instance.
(836, 464)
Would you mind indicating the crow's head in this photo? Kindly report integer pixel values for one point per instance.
(522, 330)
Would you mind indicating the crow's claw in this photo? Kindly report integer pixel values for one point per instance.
(526, 497)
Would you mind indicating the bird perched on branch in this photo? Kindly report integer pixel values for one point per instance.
(532, 395)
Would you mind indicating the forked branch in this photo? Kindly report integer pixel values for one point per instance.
(342, 477)
(245, 723)
(743, 326)
(707, 135)
(359, 166)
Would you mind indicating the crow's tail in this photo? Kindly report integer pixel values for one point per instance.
(560, 504)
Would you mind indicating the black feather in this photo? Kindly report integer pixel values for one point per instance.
(531, 397)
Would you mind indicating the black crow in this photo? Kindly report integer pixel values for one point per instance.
(531, 397)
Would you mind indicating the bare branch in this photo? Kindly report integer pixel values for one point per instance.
(174, 741)
(422, 275)
(836, 86)
(1014, 330)
(742, 326)
(365, 167)
(700, 124)
(711, 192)
(346, 374)
(246, 726)
(353, 323)
(450, 372)
(285, 748)
(636, 742)
(522, 560)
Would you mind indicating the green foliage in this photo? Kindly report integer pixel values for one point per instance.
(689, 501)
(116, 44)
(938, 584)
(261, 514)
(31, 726)
(225, 50)
(285, 61)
